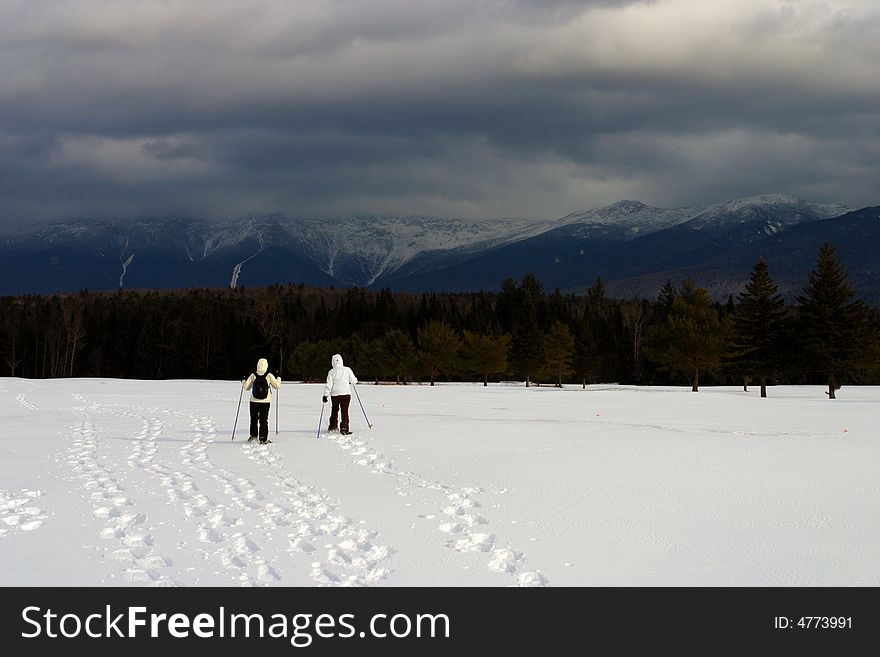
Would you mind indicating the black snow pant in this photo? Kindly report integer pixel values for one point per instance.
(340, 402)
(260, 413)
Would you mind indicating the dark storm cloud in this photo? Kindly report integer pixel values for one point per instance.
(457, 107)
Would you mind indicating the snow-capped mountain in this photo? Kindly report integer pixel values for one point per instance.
(108, 253)
(790, 254)
(775, 211)
(622, 241)
(362, 249)
(623, 220)
(634, 219)
(628, 239)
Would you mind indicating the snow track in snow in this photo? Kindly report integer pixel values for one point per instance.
(233, 528)
(19, 511)
(22, 399)
(137, 483)
(466, 529)
(352, 558)
(124, 529)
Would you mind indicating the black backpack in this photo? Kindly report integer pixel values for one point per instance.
(261, 386)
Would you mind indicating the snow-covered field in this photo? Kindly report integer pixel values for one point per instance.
(108, 482)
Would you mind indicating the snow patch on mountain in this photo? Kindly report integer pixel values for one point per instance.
(778, 209)
(363, 249)
(382, 244)
(125, 266)
(635, 217)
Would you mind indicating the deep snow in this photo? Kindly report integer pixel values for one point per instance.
(109, 482)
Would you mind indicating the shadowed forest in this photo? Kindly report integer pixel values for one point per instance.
(521, 332)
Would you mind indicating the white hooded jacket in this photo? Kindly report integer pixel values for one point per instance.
(339, 378)
(262, 368)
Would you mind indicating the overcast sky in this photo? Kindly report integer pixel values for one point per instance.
(469, 108)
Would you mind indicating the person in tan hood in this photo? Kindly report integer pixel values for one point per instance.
(260, 383)
(338, 387)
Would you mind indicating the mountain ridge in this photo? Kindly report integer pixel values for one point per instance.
(625, 241)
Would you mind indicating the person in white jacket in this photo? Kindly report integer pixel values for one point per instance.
(339, 381)
(260, 383)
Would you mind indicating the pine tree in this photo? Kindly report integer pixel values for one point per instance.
(527, 344)
(309, 361)
(507, 305)
(438, 348)
(485, 354)
(758, 323)
(396, 354)
(596, 296)
(600, 313)
(559, 351)
(557, 307)
(831, 324)
(384, 312)
(692, 338)
(480, 316)
(688, 290)
(586, 362)
(665, 297)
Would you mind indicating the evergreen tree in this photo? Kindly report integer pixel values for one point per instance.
(600, 313)
(354, 351)
(321, 319)
(438, 348)
(586, 362)
(309, 361)
(507, 305)
(485, 354)
(730, 306)
(832, 326)
(383, 313)
(665, 298)
(688, 290)
(480, 316)
(527, 343)
(532, 287)
(559, 351)
(596, 296)
(556, 307)
(397, 354)
(692, 338)
(758, 323)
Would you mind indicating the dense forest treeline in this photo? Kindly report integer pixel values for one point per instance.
(521, 332)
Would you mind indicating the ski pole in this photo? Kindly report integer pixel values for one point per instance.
(321, 419)
(277, 404)
(362, 406)
(240, 393)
